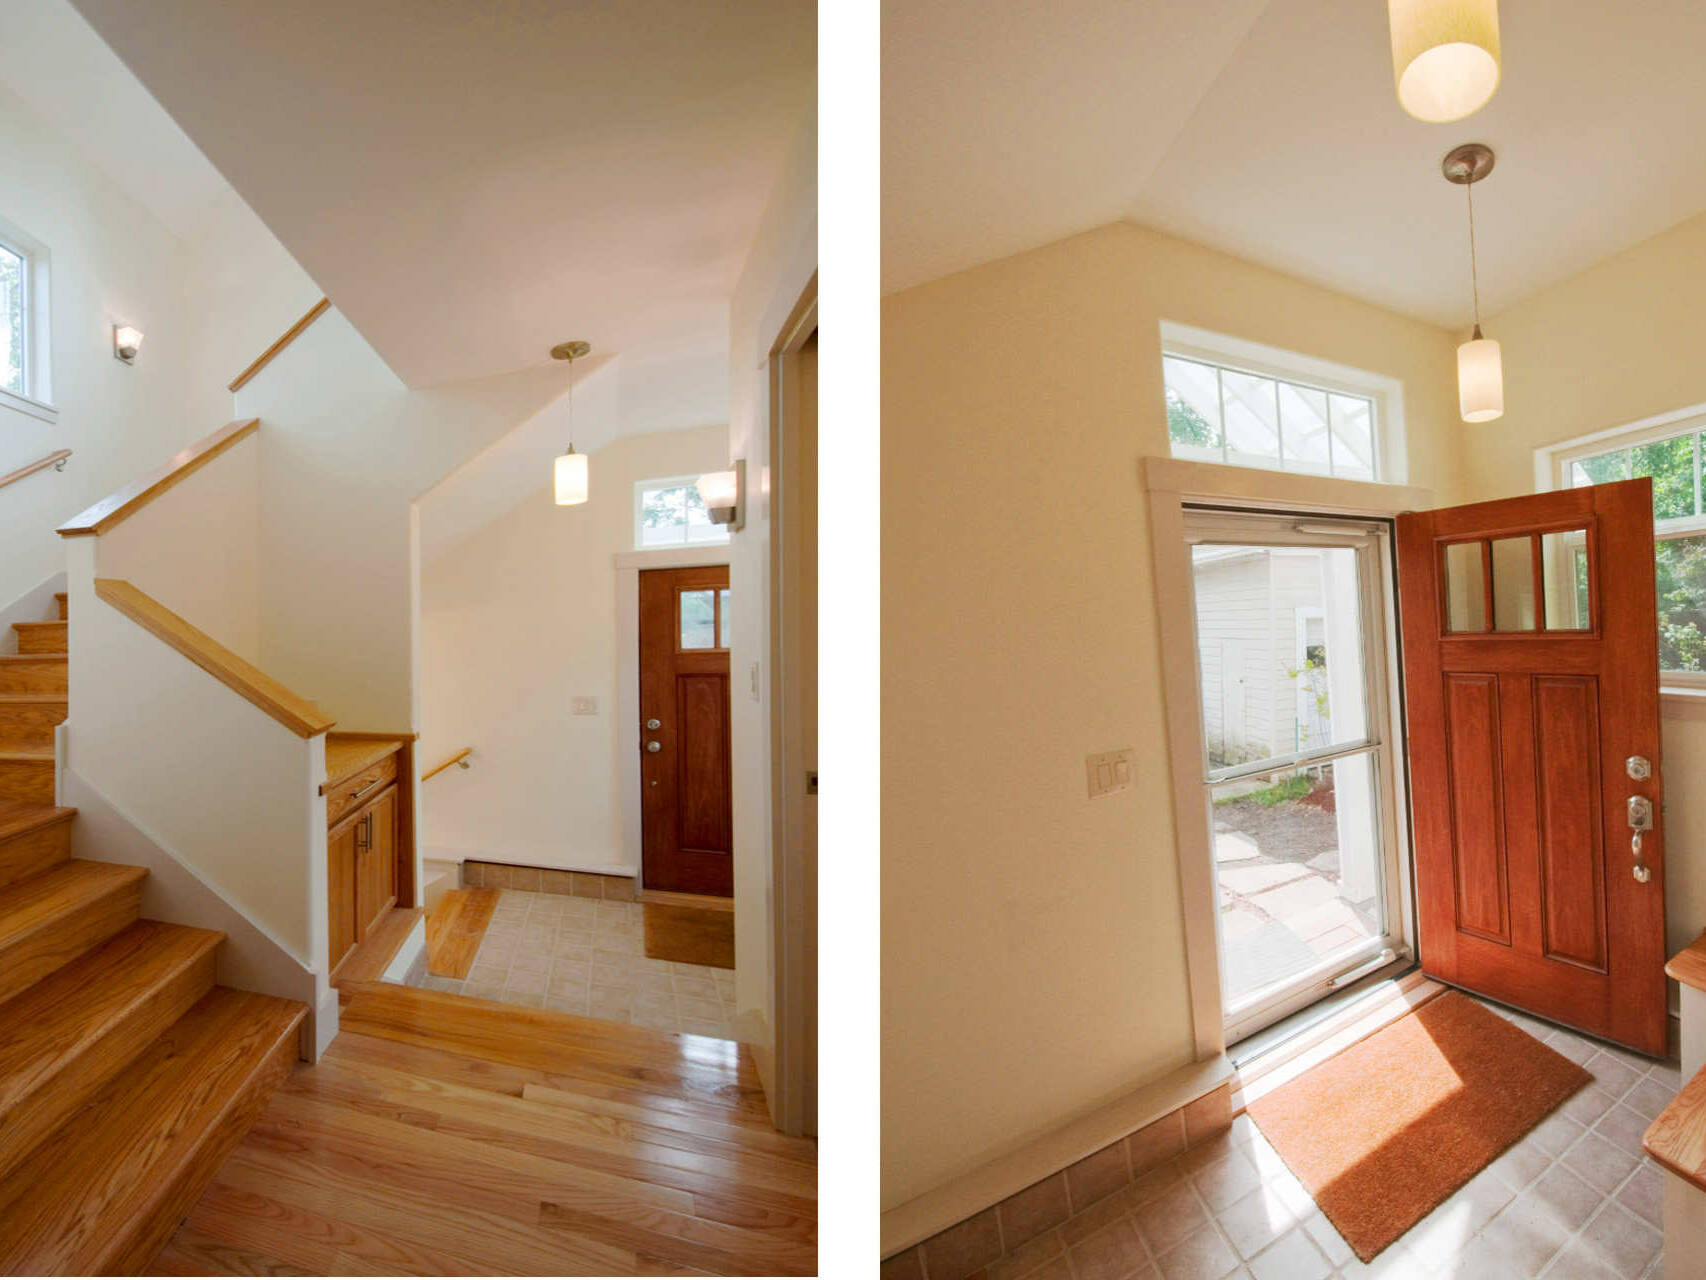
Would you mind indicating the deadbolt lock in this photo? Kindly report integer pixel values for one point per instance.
(1640, 768)
(654, 723)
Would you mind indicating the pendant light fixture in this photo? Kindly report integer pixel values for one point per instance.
(1480, 369)
(569, 475)
(1445, 56)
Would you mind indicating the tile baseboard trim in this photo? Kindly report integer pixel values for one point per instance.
(1199, 1095)
(479, 874)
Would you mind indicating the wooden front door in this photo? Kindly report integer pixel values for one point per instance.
(1531, 687)
(687, 825)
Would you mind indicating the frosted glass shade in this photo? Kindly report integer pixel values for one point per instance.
(1445, 56)
(571, 479)
(718, 489)
(1480, 380)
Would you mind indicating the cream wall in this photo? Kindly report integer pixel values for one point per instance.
(1617, 343)
(1033, 953)
(516, 621)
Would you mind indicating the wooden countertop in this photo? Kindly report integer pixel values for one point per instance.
(1688, 966)
(348, 754)
(1677, 1139)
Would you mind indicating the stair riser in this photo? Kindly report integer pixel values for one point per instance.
(26, 781)
(60, 1095)
(64, 607)
(28, 726)
(35, 851)
(33, 675)
(32, 958)
(131, 1250)
(42, 637)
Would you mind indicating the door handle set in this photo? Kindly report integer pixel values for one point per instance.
(1640, 818)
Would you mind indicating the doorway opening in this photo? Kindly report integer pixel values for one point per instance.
(1300, 755)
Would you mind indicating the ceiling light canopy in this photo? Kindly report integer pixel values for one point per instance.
(1445, 56)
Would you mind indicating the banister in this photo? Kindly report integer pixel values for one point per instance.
(56, 460)
(291, 710)
(460, 758)
(126, 502)
(290, 335)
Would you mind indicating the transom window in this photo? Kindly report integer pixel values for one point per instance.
(1246, 404)
(1670, 452)
(669, 513)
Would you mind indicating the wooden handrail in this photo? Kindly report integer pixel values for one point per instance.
(56, 459)
(127, 501)
(290, 335)
(294, 712)
(461, 758)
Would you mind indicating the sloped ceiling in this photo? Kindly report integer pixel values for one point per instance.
(1271, 131)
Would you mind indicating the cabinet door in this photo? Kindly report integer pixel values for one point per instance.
(340, 895)
(376, 860)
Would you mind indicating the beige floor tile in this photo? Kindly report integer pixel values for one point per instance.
(1611, 1074)
(1255, 1222)
(716, 1029)
(1292, 1257)
(1623, 1241)
(1227, 1180)
(531, 961)
(696, 985)
(1600, 1164)
(1201, 1255)
(1170, 1217)
(526, 982)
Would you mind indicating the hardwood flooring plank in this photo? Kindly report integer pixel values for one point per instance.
(455, 928)
(189, 1253)
(803, 1149)
(662, 1237)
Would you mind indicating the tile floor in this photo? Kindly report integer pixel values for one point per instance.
(1574, 1200)
(587, 957)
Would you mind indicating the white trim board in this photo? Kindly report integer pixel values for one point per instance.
(628, 567)
(1172, 483)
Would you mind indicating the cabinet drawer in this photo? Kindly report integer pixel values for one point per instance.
(360, 789)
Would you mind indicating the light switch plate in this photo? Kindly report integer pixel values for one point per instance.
(1108, 772)
(584, 706)
(755, 682)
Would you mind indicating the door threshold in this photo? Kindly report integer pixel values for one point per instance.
(672, 898)
(1284, 1051)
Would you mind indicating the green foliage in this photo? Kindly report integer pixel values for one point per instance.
(1186, 426)
(1295, 787)
(1682, 604)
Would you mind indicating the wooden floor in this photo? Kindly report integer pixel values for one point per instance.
(445, 1135)
(454, 930)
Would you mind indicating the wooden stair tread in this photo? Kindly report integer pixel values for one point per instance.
(368, 962)
(28, 754)
(17, 820)
(30, 904)
(108, 1190)
(35, 657)
(66, 1010)
(1688, 966)
(60, 699)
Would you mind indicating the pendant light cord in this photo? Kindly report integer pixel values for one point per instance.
(1474, 272)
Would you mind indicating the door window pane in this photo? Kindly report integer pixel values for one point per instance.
(698, 619)
(1513, 584)
(1564, 568)
(723, 618)
(1298, 863)
(1465, 587)
(1682, 603)
(1279, 636)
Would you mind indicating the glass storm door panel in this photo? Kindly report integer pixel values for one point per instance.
(1531, 688)
(1290, 643)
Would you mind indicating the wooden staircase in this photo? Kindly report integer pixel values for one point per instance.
(126, 1075)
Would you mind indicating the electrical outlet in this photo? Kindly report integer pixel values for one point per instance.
(584, 706)
(1108, 772)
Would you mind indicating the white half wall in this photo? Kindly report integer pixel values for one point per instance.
(517, 620)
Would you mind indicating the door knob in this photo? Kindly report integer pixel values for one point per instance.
(654, 723)
(654, 745)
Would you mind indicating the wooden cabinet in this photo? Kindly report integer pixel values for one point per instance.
(369, 846)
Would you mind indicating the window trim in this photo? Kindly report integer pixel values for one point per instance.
(641, 487)
(1391, 457)
(36, 399)
(1552, 471)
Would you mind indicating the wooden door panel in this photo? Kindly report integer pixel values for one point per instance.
(1518, 739)
(340, 895)
(686, 795)
(1472, 738)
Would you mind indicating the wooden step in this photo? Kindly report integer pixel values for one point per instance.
(64, 604)
(27, 720)
(33, 673)
(70, 1033)
(33, 839)
(49, 920)
(104, 1195)
(41, 637)
(26, 776)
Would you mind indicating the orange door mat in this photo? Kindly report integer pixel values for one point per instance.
(690, 935)
(1386, 1130)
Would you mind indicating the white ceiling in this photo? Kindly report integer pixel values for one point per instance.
(1271, 130)
(473, 183)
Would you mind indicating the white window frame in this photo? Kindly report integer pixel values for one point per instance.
(1243, 356)
(1552, 471)
(36, 399)
(641, 488)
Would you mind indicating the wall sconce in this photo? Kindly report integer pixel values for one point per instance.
(724, 495)
(126, 343)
